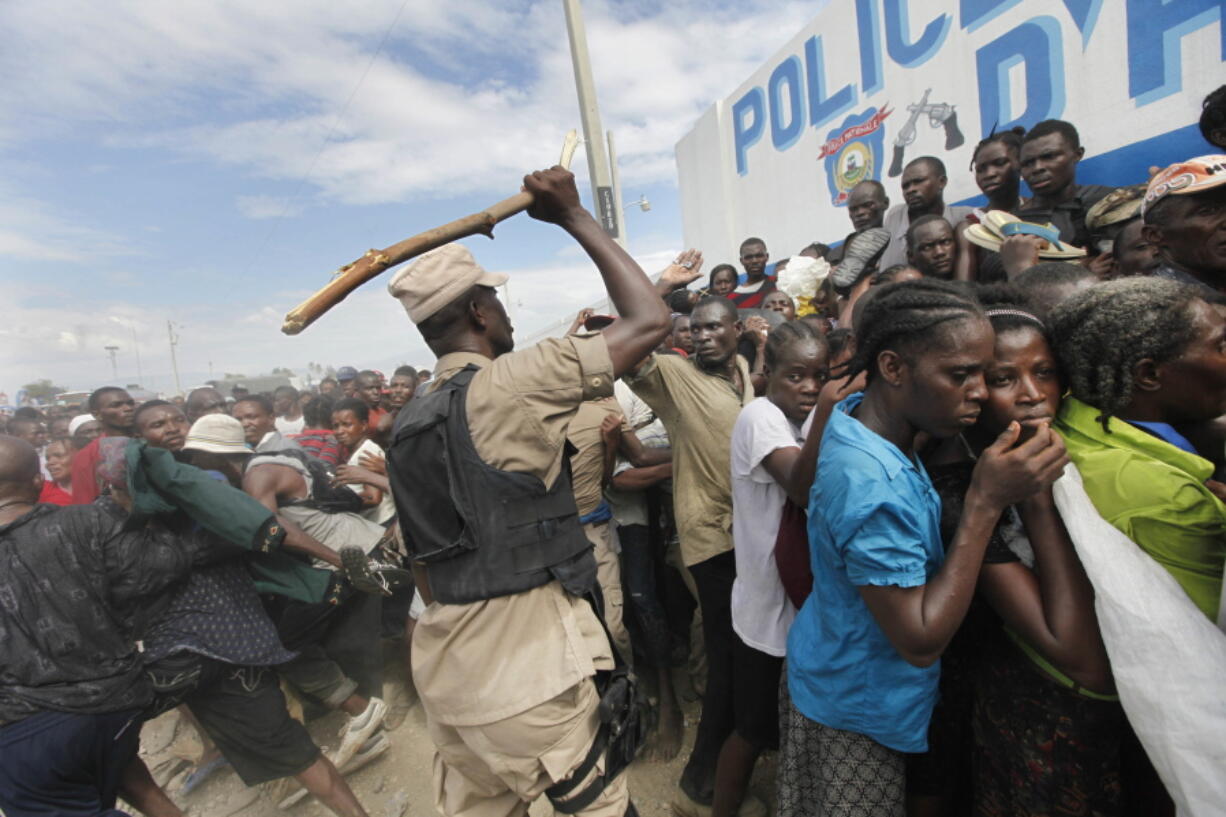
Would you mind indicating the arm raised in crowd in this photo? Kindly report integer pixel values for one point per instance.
(795, 468)
(610, 433)
(643, 320)
(920, 621)
(1052, 606)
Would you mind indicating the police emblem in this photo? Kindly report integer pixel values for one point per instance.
(852, 152)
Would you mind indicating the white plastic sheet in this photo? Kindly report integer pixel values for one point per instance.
(1169, 660)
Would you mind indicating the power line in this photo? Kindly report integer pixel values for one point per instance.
(272, 228)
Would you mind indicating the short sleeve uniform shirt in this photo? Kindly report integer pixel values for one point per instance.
(478, 663)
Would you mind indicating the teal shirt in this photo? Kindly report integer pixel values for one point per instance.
(1155, 493)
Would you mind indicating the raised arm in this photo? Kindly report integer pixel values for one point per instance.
(1051, 607)
(920, 621)
(966, 266)
(610, 433)
(795, 468)
(643, 320)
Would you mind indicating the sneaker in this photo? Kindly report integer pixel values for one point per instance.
(369, 575)
(371, 749)
(358, 730)
(862, 249)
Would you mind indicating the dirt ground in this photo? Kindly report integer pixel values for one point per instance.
(397, 784)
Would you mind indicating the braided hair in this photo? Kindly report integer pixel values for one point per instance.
(1011, 138)
(1008, 308)
(907, 315)
(786, 334)
(1101, 333)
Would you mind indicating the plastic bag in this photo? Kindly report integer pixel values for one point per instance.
(1169, 660)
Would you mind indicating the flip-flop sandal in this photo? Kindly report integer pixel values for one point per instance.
(998, 224)
(862, 249)
(370, 576)
(202, 773)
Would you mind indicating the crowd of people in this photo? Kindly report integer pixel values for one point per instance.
(841, 483)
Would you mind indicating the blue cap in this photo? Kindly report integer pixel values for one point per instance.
(346, 373)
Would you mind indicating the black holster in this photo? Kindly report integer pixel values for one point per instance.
(623, 728)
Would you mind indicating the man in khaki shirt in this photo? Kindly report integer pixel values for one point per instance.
(699, 399)
(506, 682)
(591, 465)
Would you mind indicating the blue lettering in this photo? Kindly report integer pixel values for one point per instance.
(869, 24)
(746, 134)
(1038, 45)
(976, 13)
(1085, 15)
(823, 108)
(898, 32)
(1155, 28)
(786, 74)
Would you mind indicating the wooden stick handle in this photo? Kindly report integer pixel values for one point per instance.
(374, 262)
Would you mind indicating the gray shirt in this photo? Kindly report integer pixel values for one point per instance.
(276, 441)
(897, 220)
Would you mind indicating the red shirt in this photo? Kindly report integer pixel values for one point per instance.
(84, 480)
(319, 443)
(376, 414)
(54, 494)
(753, 300)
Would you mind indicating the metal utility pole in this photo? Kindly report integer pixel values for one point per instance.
(111, 350)
(140, 376)
(174, 362)
(607, 212)
(622, 238)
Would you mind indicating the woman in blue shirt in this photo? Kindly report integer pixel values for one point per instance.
(863, 652)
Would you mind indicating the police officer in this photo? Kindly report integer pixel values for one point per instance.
(505, 653)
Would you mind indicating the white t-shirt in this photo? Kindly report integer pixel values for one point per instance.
(386, 509)
(288, 426)
(761, 611)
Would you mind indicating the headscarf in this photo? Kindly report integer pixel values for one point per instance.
(112, 468)
(78, 421)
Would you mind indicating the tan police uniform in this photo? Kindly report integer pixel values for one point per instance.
(587, 474)
(506, 683)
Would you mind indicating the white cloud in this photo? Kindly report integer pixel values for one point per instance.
(30, 249)
(464, 97)
(262, 206)
(36, 231)
(64, 340)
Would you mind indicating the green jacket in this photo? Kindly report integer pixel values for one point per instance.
(160, 484)
(1155, 494)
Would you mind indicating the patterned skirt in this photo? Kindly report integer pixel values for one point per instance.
(1042, 749)
(826, 772)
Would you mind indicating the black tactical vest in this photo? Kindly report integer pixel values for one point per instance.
(482, 532)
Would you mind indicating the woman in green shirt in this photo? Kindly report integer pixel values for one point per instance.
(1145, 357)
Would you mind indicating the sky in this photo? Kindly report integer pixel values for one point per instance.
(209, 163)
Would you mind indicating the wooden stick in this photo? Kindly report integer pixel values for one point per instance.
(374, 262)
